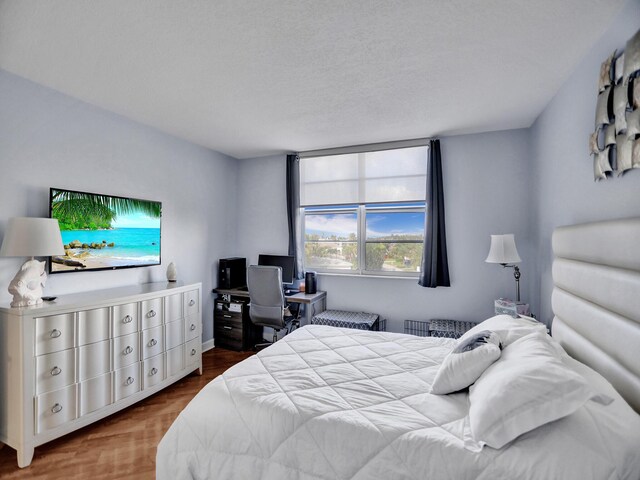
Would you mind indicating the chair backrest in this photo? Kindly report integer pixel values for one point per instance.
(266, 296)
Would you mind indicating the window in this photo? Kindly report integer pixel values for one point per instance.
(331, 238)
(394, 238)
(369, 239)
(364, 213)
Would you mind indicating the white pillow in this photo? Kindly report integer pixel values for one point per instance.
(508, 328)
(527, 387)
(466, 362)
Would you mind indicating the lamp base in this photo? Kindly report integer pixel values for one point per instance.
(26, 286)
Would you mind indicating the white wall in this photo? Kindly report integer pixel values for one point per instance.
(48, 139)
(487, 190)
(563, 170)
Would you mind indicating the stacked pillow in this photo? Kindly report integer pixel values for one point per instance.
(527, 387)
(478, 348)
(466, 362)
(515, 390)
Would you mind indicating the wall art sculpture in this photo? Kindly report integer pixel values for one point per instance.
(615, 143)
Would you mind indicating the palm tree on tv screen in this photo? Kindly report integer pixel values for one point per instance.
(79, 211)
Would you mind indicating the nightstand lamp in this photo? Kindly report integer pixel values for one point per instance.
(30, 237)
(503, 251)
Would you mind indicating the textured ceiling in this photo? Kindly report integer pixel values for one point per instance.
(252, 78)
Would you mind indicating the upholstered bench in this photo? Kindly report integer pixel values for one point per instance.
(344, 319)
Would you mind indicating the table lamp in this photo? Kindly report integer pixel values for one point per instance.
(30, 237)
(503, 251)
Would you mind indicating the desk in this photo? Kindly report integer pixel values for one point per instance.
(314, 303)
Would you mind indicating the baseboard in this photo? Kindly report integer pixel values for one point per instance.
(208, 345)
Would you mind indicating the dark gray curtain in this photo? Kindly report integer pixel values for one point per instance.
(293, 212)
(435, 266)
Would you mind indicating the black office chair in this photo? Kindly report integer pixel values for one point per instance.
(267, 306)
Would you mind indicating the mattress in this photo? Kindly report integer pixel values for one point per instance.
(332, 403)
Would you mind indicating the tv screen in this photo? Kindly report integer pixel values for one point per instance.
(104, 232)
(285, 261)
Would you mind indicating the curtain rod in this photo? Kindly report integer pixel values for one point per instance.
(369, 147)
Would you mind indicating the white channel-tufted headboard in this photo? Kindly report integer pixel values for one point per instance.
(596, 299)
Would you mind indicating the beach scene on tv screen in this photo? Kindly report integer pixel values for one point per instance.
(100, 231)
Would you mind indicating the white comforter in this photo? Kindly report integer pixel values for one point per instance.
(330, 403)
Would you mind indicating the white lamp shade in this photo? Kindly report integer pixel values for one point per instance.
(503, 249)
(32, 237)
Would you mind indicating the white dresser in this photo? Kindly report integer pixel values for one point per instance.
(68, 363)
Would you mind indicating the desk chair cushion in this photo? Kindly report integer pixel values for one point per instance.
(266, 296)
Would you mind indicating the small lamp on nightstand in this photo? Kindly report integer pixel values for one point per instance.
(30, 237)
(503, 251)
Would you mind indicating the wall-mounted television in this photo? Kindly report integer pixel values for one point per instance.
(104, 232)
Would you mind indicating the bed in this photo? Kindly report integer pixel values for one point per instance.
(332, 403)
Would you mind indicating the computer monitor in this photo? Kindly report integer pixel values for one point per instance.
(287, 263)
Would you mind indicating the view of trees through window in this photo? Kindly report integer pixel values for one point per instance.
(389, 238)
(331, 240)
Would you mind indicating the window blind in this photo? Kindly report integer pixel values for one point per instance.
(383, 176)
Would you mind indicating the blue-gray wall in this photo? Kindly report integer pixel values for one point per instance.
(487, 190)
(48, 139)
(521, 181)
(525, 182)
(565, 192)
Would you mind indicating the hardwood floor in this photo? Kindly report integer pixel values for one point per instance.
(124, 444)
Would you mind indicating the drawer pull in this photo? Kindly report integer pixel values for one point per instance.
(193, 327)
(151, 314)
(128, 350)
(153, 342)
(127, 319)
(55, 333)
(57, 408)
(153, 371)
(129, 381)
(56, 371)
(192, 302)
(226, 316)
(227, 328)
(193, 352)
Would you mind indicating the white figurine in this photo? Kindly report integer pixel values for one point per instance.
(172, 272)
(26, 287)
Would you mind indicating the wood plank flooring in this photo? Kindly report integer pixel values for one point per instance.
(124, 444)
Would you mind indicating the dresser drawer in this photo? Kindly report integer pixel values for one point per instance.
(93, 326)
(192, 327)
(94, 360)
(55, 370)
(228, 318)
(173, 308)
(54, 333)
(228, 343)
(126, 350)
(153, 371)
(174, 334)
(228, 330)
(95, 393)
(151, 313)
(192, 352)
(127, 381)
(175, 360)
(55, 408)
(191, 303)
(125, 319)
(152, 342)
